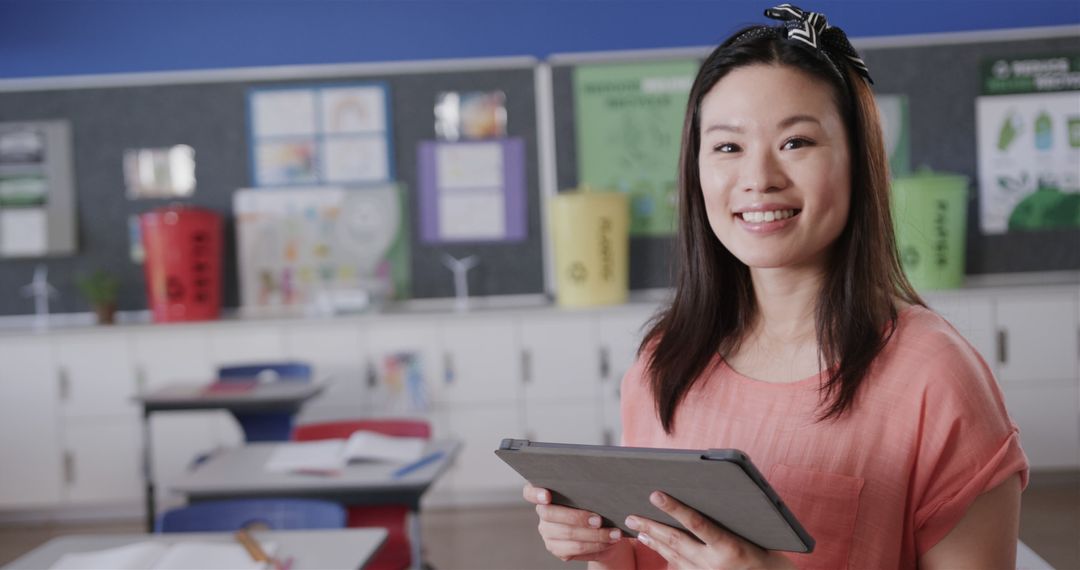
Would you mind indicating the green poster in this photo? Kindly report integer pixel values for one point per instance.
(629, 120)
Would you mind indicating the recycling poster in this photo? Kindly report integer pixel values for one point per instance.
(1028, 134)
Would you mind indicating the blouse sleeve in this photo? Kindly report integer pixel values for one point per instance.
(968, 444)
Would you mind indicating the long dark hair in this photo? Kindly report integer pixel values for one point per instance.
(714, 305)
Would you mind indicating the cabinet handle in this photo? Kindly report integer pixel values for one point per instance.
(609, 438)
(1002, 346)
(69, 468)
(448, 368)
(64, 383)
(140, 378)
(526, 366)
(372, 377)
(605, 363)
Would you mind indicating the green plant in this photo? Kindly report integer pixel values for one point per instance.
(99, 287)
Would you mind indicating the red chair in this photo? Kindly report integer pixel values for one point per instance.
(396, 552)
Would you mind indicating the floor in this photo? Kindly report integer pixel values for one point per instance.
(505, 537)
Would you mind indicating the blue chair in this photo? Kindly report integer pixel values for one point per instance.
(266, 426)
(276, 514)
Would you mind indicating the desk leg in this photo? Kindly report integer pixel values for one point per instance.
(414, 532)
(148, 473)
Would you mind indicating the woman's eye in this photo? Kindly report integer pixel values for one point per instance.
(796, 142)
(726, 148)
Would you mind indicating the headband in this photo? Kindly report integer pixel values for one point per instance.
(812, 29)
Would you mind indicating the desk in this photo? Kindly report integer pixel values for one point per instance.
(239, 472)
(268, 397)
(311, 549)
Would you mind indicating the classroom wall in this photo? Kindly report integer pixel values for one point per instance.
(47, 38)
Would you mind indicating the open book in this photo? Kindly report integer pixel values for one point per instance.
(332, 455)
(161, 556)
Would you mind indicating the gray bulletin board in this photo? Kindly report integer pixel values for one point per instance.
(941, 83)
(211, 117)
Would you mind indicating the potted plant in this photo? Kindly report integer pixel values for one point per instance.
(100, 289)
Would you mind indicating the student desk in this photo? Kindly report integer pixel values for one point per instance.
(310, 549)
(265, 397)
(240, 472)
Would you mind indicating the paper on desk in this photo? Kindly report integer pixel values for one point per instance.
(331, 455)
(161, 556)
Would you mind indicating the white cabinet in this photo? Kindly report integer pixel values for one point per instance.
(620, 336)
(478, 476)
(171, 355)
(30, 453)
(243, 344)
(560, 358)
(1038, 337)
(972, 314)
(336, 352)
(1049, 423)
(481, 362)
(96, 375)
(102, 463)
(404, 363)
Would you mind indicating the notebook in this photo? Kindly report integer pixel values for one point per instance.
(330, 456)
(162, 556)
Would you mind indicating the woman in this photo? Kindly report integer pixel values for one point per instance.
(794, 336)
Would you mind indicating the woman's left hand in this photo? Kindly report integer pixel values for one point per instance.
(721, 549)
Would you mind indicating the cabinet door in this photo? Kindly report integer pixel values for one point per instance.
(478, 475)
(561, 358)
(390, 344)
(97, 376)
(1049, 422)
(29, 435)
(1038, 338)
(620, 336)
(972, 315)
(245, 344)
(102, 461)
(564, 422)
(336, 351)
(176, 355)
(481, 362)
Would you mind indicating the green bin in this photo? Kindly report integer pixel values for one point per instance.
(930, 214)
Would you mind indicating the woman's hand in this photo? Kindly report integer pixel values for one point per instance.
(574, 534)
(721, 549)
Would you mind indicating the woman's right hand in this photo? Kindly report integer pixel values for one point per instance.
(574, 534)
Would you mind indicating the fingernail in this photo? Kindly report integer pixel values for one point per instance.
(542, 496)
(657, 498)
(644, 538)
(594, 522)
(616, 534)
(631, 522)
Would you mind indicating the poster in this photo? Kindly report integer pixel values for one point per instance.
(37, 192)
(472, 191)
(629, 119)
(297, 243)
(1028, 138)
(335, 134)
(895, 129)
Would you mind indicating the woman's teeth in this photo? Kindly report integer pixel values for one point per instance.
(772, 216)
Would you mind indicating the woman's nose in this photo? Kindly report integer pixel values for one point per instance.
(762, 172)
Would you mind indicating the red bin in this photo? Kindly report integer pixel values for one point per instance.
(183, 263)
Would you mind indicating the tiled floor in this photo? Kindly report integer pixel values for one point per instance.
(472, 539)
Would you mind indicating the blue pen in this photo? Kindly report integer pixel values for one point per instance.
(429, 458)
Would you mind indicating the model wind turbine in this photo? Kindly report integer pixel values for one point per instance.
(40, 289)
(460, 268)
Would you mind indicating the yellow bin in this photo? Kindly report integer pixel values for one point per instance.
(591, 231)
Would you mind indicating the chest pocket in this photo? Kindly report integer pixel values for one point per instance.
(826, 504)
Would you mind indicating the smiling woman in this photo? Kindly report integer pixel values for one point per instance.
(794, 336)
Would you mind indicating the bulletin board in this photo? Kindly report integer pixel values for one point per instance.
(209, 112)
(940, 84)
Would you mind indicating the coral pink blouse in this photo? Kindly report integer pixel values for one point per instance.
(878, 488)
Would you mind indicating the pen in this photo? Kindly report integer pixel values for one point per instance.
(429, 458)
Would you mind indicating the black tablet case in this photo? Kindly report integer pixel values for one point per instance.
(615, 482)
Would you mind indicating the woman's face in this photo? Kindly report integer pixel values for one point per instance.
(775, 166)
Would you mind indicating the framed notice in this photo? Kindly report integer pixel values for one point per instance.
(37, 192)
(321, 135)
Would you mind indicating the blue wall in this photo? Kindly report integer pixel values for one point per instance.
(51, 37)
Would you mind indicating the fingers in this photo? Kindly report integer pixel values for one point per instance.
(568, 516)
(693, 521)
(567, 550)
(536, 495)
(558, 531)
(674, 545)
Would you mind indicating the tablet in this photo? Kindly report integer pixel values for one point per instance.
(615, 482)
